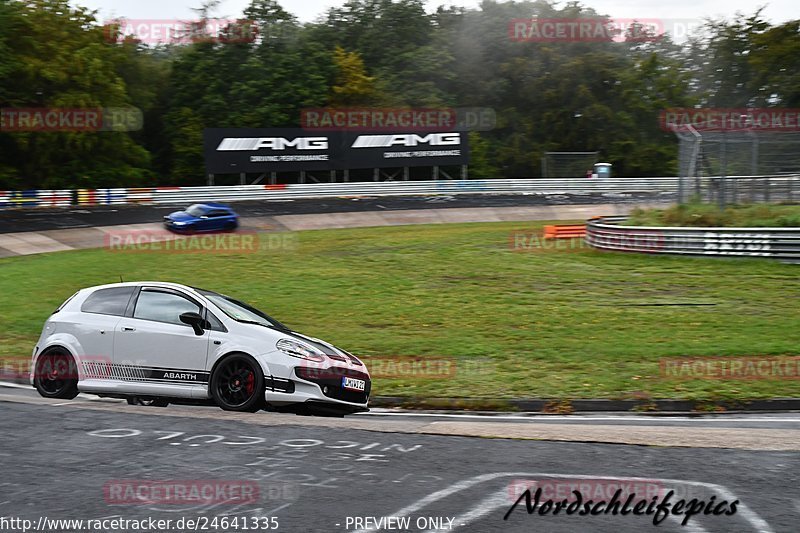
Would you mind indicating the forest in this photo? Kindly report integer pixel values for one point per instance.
(603, 96)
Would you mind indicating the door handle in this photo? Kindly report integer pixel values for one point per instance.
(128, 329)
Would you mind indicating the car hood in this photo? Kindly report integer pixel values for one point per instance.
(324, 347)
(181, 216)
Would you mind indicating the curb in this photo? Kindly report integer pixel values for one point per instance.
(567, 406)
(560, 406)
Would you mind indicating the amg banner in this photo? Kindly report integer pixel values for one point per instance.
(235, 150)
(380, 150)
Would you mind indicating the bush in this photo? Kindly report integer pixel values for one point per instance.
(700, 215)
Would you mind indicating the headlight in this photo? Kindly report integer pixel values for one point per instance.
(300, 350)
(355, 360)
(179, 223)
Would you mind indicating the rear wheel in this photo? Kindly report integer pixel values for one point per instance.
(56, 375)
(238, 384)
(147, 401)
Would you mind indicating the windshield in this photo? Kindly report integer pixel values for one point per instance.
(241, 311)
(196, 210)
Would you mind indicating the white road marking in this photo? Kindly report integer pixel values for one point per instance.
(756, 521)
(485, 507)
(11, 385)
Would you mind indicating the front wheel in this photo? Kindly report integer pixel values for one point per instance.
(238, 384)
(56, 375)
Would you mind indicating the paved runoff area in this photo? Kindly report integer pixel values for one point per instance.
(121, 467)
(57, 230)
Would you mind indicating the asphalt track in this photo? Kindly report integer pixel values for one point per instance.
(60, 458)
(15, 221)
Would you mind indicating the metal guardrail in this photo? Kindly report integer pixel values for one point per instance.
(412, 188)
(607, 233)
(779, 185)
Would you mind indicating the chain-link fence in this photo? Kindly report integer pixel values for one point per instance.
(568, 164)
(738, 164)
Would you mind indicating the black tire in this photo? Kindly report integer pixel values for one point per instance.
(147, 401)
(238, 384)
(56, 375)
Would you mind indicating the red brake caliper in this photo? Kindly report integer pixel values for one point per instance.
(250, 383)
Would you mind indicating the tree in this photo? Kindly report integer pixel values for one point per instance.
(353, 87)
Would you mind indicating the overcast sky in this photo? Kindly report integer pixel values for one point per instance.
(307, 10)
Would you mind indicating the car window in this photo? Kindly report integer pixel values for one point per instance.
(216, 323)
(196, 210)
(163, 307)
(218, 213)
(111, 301)
(241, 311)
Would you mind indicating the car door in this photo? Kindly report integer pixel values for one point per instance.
(208, 221)
(217, 219)
(100, 314)
(152, 345)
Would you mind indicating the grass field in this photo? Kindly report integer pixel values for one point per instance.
(710, 215)
(560, 321)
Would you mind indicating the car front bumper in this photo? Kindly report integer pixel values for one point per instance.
(321, 392)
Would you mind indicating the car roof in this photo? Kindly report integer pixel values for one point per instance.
(214, 205)
(164, 284)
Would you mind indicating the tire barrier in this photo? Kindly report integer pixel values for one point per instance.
(607, 233)
(63, 198)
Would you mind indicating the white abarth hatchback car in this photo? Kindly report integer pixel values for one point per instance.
(156, 343)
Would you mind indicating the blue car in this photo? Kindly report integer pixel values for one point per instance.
(202, 218)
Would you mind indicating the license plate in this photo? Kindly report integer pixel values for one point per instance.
(354, 384)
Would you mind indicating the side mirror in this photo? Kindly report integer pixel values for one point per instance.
(195, 320)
